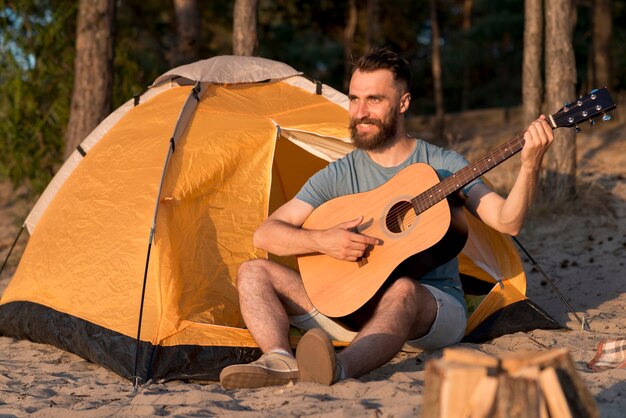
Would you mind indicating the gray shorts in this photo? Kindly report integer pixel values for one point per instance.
(447, 329)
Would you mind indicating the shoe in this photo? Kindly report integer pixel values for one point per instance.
(316, 357)
(271, 369)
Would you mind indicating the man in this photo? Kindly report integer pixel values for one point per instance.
(426, 312)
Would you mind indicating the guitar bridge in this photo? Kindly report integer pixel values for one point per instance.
(361, 261)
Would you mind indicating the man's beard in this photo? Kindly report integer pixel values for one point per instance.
(384, 137)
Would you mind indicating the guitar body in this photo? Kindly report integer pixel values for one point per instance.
(410, 243)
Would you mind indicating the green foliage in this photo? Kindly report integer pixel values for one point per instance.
(144, 36)
(35, 87)
(481, 67)
(216, 27)
(489, 56)
(618, 45)
(306, 35)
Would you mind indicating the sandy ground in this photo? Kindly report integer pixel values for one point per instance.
(582, 246)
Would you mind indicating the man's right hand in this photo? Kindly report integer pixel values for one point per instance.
(343, 243)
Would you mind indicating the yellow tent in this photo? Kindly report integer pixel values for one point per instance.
(147, 289)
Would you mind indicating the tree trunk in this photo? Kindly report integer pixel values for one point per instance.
(348, 41)
(560, 174)
(188, 32)
(467, 25)
(93, 70)
(373, 25)
(245, 27)
(436, 71)
(531, 68)
(602, 28)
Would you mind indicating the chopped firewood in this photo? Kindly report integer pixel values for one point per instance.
(467, 383)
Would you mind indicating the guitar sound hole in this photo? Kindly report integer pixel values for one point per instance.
(401, 217)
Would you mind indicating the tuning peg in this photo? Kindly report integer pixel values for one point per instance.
(606, 117)
(592, 122)
(578, 130)
(594, 91)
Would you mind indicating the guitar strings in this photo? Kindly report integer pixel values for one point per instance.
(439, 191)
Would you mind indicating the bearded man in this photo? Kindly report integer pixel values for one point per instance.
(415, 312)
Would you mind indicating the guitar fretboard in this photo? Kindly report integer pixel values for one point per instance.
(467, 174)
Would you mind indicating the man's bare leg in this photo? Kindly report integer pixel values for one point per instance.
(406, 311)
(268, 294)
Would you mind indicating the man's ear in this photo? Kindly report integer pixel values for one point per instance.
(405, 101)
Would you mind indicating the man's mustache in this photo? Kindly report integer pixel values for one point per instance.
(355, 122)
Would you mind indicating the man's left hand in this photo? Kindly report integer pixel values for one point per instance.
(538, 138)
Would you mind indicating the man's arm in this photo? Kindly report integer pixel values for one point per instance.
(282, 234)
(508, 215)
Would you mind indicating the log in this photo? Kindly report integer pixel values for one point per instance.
(467, 383)
(444, 383)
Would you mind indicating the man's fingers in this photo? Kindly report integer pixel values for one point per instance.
(352, 223)
(548, 130)
(355, 235)
(365, 239)
(539, 132)
(356, 254)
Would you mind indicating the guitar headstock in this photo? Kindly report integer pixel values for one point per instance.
(596, 103)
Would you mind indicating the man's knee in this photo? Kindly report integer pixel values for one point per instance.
(404, 287)
(409, 293)
(252, 271)
(418, 304)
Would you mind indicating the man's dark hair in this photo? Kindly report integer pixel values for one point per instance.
(385, 59)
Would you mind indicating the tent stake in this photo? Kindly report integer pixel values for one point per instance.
(583, 322)
(11, 249)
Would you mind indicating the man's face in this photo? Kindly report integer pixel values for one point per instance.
(375, 105)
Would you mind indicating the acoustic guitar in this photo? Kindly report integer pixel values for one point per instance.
(413, 217)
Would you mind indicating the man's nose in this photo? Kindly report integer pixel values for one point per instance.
(360, 110)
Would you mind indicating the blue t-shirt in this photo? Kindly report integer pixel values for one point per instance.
(357, 172)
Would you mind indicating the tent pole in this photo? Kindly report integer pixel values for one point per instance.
(583, 322)
(181, 124)
(11, 249)
(136, 377)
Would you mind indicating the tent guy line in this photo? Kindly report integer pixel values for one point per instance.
(584, 326)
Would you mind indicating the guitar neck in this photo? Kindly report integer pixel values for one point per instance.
(595, 104)
(466, 175)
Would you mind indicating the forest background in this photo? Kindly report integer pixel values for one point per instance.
(464, 54)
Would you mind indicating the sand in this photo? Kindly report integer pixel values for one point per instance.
(582, 247)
